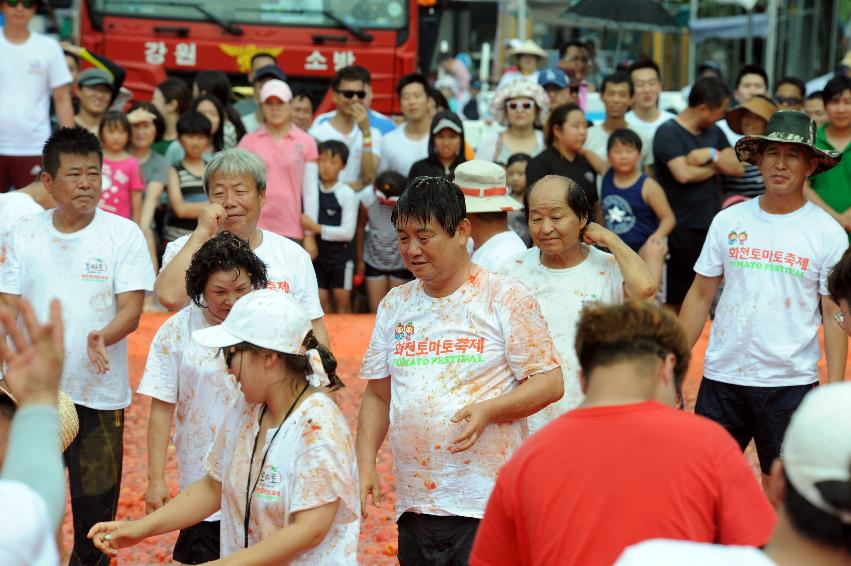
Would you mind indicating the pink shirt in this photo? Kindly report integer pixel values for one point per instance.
(119, 178)
(285, 162)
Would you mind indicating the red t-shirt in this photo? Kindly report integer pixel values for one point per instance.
(600, 479)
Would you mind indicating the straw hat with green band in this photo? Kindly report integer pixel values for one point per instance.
(787, 126)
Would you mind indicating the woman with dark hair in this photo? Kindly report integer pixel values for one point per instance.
(565, 271)
(446, 147)
(565, 134)
(171, 98)
(291, 498)
(216, 84)
(183, 376)
(209, 106)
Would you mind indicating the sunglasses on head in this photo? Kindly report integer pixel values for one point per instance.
(24, 3)
(514, 105)
(361, 94)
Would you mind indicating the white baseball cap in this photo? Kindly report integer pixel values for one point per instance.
(483, 185)
(277, 89)
(269, 319)
(817, 447)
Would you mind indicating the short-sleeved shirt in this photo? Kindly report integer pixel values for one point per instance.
(442, 354)
(324, 131)
(694, 204)
(155, 169)
(399, 152)
(499, 249)
(661, 552)
(562, 294)
(599, 479)
(775, 269)
(380, 249)
(310, 463)
(85, 270)
(289, 269)
(834, 185)
(15, 205)
(285, 160)
(649, 128)
(551, 162)
(598, 142)
(120, 180)
(28, 74)
(193, 377)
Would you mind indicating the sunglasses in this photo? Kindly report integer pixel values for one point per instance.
(361, 94)
(513, 105)
(782, 100)
(25, 3)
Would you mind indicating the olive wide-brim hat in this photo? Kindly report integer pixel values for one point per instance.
(787, 126)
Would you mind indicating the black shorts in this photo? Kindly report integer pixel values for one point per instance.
(197, 544)
(432, 540)
(761, 413)
(402, 274)
(333, 275)
(683, 250)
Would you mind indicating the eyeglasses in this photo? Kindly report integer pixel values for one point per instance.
(361, 94)
(839, 317)
(783, 101)
(25, 3)
(513, 105)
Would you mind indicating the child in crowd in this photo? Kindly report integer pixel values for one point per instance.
(335, 228)
(515, 173)
(375, 243)
(186, 196)
(122, 177)
(634, 205)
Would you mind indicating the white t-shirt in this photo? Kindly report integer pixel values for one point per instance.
(312, 462)
(562, 293)
(498, 249)
(194, 377)
(324, 131)
(25, 534)
(648, 128)
(288, 268)
(442, 354)
(85, 271)
(598, 140)
(14, 205)
(660, 552)
(399, 152)
(28, 74)
(775, 269)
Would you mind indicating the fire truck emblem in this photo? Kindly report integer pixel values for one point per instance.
(244, 53)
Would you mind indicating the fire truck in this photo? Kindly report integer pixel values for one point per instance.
(311, 40)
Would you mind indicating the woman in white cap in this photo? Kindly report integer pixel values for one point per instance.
(527, 55)
(282, 468)
(519, 106)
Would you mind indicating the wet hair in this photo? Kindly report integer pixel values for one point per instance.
(334, 147)
(222, 252)
(391, 183)
(609, 334)
(709, 91)
(795, 81)
(751, 69)
(624, 136)
(176, 89)
(618, 78)
(69, 141)
(410, 79)
(572, 43)
(8, 408)
(835, 87)
(645, 64)
(216, 83)
(159, 122)
(574, 196)
(839, 280)
(218, 136)
(351, 73)
(193, 122)
(818, 94)
(518, 158)
(558, 117)
(425, 198)
(112, 118)
(814, 524)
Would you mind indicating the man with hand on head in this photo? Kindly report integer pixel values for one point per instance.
(235, 183)
(458, 359)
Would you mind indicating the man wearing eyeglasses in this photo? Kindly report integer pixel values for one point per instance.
(33, 71)
(350, 125)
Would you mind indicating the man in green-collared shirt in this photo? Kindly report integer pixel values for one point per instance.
(833, 187)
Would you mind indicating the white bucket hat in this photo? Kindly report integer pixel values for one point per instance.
(269, 319)
(527, 47)
(483, 185)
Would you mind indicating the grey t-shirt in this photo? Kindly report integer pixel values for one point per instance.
(155, 168)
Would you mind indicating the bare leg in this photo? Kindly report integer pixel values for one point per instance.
(325, 301)
(376, 288)
(343, 300)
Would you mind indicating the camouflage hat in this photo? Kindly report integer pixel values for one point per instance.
(787, 126)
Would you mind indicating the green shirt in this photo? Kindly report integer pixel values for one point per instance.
(834, 185)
